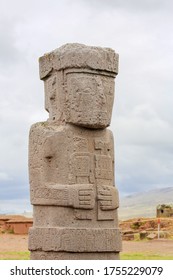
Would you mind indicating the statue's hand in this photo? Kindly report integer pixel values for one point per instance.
(108, 197)
(84, 197)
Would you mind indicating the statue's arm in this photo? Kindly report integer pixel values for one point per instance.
(76, 196)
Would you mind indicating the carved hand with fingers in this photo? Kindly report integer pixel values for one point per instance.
(84, 197)
(108, 197)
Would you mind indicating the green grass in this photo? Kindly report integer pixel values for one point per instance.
(14, 255)
(144, 256)
(123, 256)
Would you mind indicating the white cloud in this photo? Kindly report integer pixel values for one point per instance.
(4, 176)
(141, 32)
(18, 206)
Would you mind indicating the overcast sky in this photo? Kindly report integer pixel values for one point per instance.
(142, 33)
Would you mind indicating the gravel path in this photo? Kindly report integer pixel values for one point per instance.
(12, 243)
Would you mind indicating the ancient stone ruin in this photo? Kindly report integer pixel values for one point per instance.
(71, 158)
(164, 210)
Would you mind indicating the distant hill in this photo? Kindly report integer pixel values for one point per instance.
(144, 204)
(141, 204)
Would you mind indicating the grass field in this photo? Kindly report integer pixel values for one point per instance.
(123, 256)
(143, 256)
(14, 255)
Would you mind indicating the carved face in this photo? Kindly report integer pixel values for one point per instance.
(89, 99)
(51, 96)
(54, 96)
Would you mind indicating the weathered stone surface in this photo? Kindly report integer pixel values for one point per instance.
(79, 56)
(128, 237)
(41, 255)
(75, 239)
(143, 234)
(152, 236)
(84, 98)
(164, 210)
(71, 158)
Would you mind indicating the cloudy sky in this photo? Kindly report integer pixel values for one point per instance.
(142, 33)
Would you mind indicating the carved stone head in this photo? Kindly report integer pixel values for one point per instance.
(79, 84)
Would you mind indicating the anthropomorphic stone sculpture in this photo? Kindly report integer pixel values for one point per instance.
(71, 158)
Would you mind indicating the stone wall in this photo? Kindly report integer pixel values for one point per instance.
(164, 210)
(16, 225)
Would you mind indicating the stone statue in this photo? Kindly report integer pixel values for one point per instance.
(71, 158)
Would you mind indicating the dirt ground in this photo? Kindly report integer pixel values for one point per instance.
(160, 247)
(12, 243)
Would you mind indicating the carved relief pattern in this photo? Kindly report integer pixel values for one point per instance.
(50, 95)
(89, 99)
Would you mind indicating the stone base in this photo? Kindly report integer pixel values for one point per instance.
(78, 240)
(40, 255)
